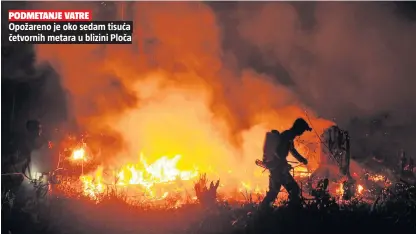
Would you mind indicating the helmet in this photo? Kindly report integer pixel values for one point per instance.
(301, 124)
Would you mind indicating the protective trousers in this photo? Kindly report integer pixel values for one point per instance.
(276, 180)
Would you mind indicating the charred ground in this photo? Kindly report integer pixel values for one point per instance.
(113, 215)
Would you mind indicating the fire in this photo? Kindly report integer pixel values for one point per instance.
(301, 171)
(78, 154)
(148, 178)
(92, 185)
(377, 178)
(360, 189)
(154, 179)
(163, 170)
(179, 97)
(340, 189)
(247, 187)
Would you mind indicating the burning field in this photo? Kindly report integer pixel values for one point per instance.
(161, 182)
(169, 108)
(166, 183)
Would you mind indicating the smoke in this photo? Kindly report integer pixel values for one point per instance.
(229, 71)
(27, 88)
(347, 61)
(174, 91)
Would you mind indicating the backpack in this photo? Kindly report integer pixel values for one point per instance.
(271, 142)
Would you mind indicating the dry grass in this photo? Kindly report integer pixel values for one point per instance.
(395, 210)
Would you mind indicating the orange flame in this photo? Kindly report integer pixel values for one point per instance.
(360, 189)
(92, 185)
(144, 177)
(162, 178)
(340, 189)
(78, 154)
(163, 170)
(377, 178)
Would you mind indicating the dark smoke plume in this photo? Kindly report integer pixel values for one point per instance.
(354, 63)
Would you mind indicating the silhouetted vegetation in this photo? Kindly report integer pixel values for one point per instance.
(393, 211)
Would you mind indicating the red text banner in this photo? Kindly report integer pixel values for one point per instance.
(49, 15)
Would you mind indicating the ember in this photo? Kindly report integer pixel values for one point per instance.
(377, 178)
